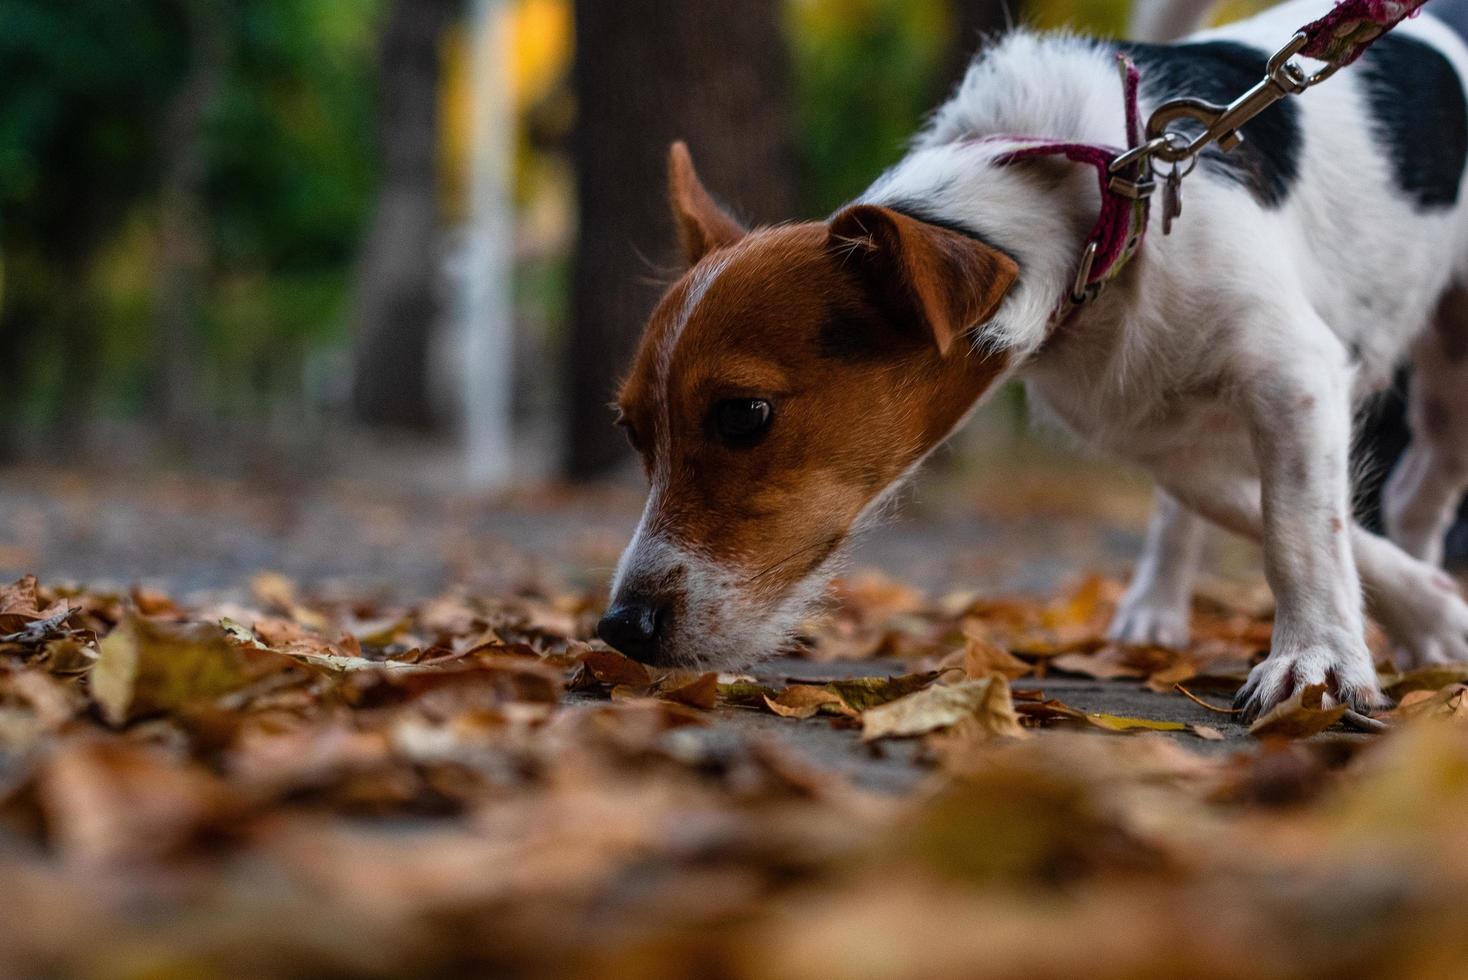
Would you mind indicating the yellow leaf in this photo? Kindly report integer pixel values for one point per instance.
(145, 666)
(1118, 723)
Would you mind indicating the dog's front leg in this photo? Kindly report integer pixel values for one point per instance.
(1298, 413)
(1156, 608)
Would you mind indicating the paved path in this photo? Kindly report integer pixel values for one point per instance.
(193, 536)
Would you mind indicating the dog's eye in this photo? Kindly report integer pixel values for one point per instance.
(741, 421)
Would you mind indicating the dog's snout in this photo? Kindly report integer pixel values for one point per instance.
(633, 626)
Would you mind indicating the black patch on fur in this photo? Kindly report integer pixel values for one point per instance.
(1268, 161)
(1418, 117)
(920, 212)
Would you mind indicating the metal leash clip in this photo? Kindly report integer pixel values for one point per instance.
(1222, 124)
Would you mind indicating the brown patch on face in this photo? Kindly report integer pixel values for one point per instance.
(859, 386)
(1451, 326)
(1435, 417)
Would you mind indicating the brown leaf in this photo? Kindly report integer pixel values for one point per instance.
(613, 669)
(862, 693)
(1433, 678)
(146, 665)
(701, 691)
(1107, 664)
(984, 659)
(986, 703)
(1450, 703)
(108, 800)
(1299, 716)
(806, 700)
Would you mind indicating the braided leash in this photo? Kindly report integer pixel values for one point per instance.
(1127, 175)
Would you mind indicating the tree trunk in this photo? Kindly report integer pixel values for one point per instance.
(397, 298)
(974, 22)
(648, 72)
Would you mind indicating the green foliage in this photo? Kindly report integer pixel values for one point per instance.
(866, 71)
(290, 155)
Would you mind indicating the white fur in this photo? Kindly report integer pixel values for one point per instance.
(1227, 362)
(1220, 362)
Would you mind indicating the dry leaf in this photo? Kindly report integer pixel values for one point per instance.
(613, 669)
(700, 691)
(1299, 716)
(1432, 678)
(986, 702)
(805, 701)
(1107, 664)
(145, 666)
(861, 693)
(980, 658)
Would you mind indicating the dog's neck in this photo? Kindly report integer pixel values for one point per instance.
(1040, 211)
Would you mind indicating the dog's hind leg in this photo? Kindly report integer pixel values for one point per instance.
(1156, 608)
(1423, 493)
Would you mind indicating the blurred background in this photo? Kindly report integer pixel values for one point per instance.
(251, 228)
(287, 247)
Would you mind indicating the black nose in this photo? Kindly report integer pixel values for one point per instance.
(632, 626)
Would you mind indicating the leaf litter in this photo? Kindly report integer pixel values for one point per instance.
(297, 786)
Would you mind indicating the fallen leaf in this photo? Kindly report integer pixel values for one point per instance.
(1299, 716)
(1119, 723)
(862, 693)
(20, 605)
(613, 669)
(980, 658)
(986, 702)
(701, 691)
(146, 665)
(1450, 703)
(1433, 678)
(745, 693)
(1107, 664)
(805, 701)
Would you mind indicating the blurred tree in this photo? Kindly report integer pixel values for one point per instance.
(867, 71)
(397, 297)
(83, 81)
(974, 22)
(713, 72)
(182, 234)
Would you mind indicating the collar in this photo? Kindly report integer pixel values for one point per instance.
(1126, 192)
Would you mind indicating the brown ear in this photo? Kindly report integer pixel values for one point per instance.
(935, 279)
(702, 225)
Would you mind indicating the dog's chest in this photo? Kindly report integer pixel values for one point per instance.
(1134, 409)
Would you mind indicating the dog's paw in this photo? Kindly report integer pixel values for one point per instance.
(1435, 632)
(1348, 676)
(1149, 624)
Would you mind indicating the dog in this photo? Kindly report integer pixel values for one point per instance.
(796, 375)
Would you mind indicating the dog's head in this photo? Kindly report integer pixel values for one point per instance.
(784, 384)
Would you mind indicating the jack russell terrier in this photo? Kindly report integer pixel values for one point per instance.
(796, 375)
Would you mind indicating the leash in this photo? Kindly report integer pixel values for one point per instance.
(1128, 176)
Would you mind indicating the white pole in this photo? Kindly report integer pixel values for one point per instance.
(487, 314)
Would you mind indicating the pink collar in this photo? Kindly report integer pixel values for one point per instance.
(1121, 225)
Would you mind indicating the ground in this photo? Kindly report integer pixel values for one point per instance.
(354, 726)
(1030, 527)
